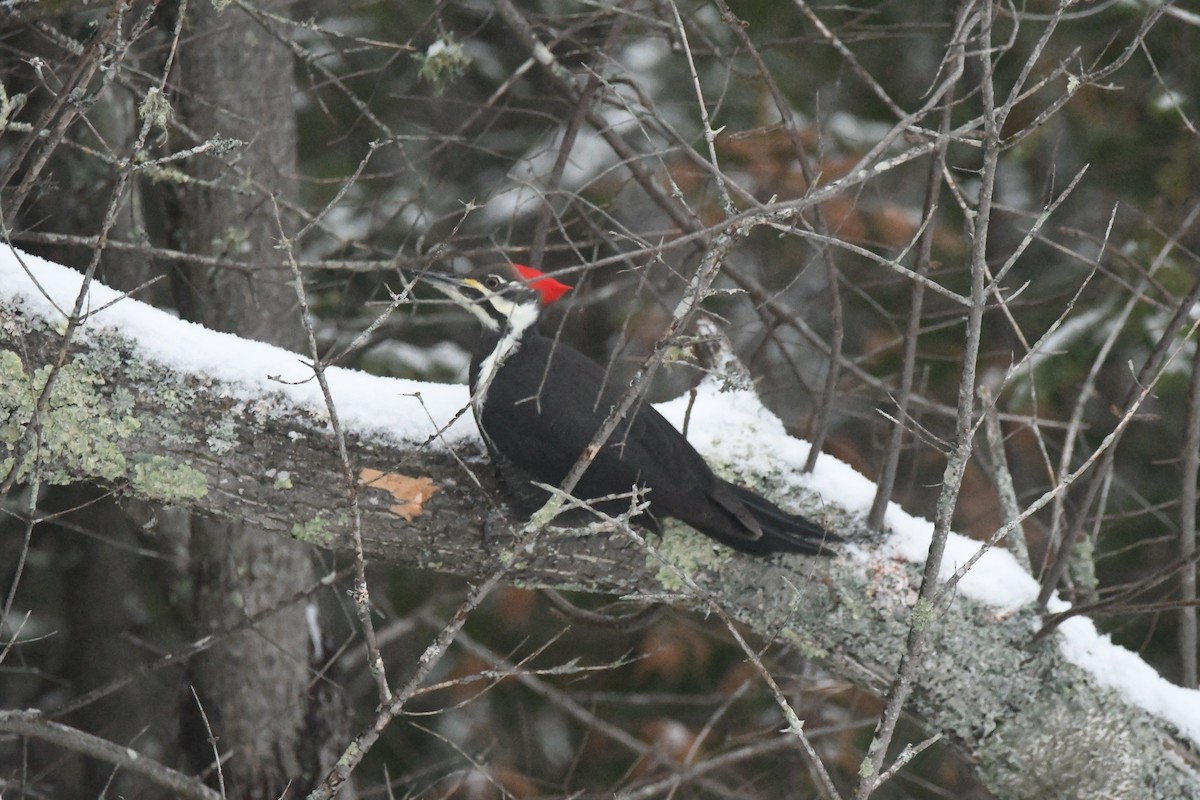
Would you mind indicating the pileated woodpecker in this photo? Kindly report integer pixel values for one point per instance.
(539, 403)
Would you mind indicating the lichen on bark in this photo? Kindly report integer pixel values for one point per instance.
(80, 431)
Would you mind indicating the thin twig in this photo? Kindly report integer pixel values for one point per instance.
(1163, 350)
(1187, 528)
(212, 740)
(361, 594)
(25, 723)
(710, 135)
(912, 332)
(1106, 446)
(433, 653)
(1002, 477)
(921, 621)
(569, 136)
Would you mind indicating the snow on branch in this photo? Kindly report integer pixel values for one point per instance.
(167, 411)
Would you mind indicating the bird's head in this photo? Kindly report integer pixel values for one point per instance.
(499, 298)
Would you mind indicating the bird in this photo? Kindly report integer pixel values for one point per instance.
(539, 402)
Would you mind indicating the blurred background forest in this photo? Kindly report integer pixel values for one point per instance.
(171, 143)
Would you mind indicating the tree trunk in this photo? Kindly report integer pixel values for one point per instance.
(237, 83)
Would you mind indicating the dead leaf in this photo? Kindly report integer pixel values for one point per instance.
(410, 493)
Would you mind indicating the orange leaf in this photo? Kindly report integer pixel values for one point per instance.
(410, 493)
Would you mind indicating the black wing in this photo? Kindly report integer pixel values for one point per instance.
(554, 399)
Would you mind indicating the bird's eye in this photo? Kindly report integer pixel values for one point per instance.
(492, 281)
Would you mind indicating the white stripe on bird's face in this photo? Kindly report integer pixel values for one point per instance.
(520, 317)
(471, 302)
(492, 293)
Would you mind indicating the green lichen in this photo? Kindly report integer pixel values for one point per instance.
(444, 62)
(161, 174)
(283, 479)
(546, 514)
(1083, 566)
(122, 402)
(162, 479)
(806, 646)
(233, 241)
(169, 399)
(318, 531)
(82, 429)
(851, 601)
(351, 756)
(156, 108)
(80, 432)
(223, 436)
(922, 614)
(689, 552)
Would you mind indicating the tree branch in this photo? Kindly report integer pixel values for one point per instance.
(30, 723)
(120, 419)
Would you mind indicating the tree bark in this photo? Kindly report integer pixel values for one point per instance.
(237, 83)
(1036, 725)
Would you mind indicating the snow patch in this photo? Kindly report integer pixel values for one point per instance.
(734, 427)
(1124, 671)
(379, 408)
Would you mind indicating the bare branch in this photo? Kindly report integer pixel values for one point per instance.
(26, 723)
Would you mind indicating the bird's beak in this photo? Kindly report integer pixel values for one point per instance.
(438, 279)
(449, 285)
(466, 293)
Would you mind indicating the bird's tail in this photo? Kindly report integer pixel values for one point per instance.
(782, 532)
